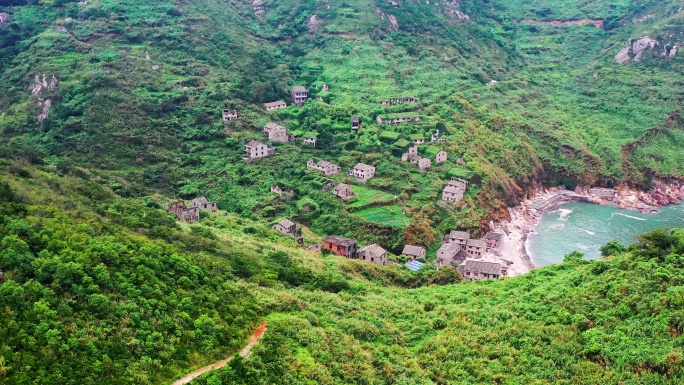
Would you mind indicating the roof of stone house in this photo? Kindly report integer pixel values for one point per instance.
(415, 251)
(232, 112)
(417, 137)
(478, 266)
(273, 104)
(273, 126)
(365, 167)
(476, 243)
(494, 236)
(310, 135)
(324, 163)
(202, 200)
(424, 160)
(343, 186)
(299, 89)
(453, 189)
(451, 248)
(355, 119)
(373, 250)
(253, 143)
(339, 240)
(286, 223)
(459, 234)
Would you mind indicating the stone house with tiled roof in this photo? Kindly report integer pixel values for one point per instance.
(362, 171)
(287, 227)
(373, 254)
(474, 269)
(476, 247)
(413, 252)
(343, 247)
(343, 191)
(275, 105)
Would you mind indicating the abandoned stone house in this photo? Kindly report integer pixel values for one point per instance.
(355, 123)
(288, 194)
(458, 237)
(4, 18)
(439, 139)
(493, 240)
(384, 102)
(343, 191)
(326, 167)
(275, 105)
(203, 204)
(310, 138)
(418, 139)
(277, 133)
(343, 247)
(362, 171)
(413, 252)
(447, 254)
(411, 155)
(299, 95)
(255, 150)
(454, 190)
(460, 162)
(325, 87)
(328, 186)
(183, 212)
(474, 270)
(287, 227)
(441, 157)
(373, 254)
(403, 100)
(397, 118)
(229, 115)
(424, 164)
(603, 193)
(476, 247)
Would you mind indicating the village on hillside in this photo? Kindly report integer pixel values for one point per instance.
(474, 258)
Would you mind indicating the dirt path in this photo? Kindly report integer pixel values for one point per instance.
(253, 339)
(558, 23)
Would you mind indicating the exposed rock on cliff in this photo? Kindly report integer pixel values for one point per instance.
(635, 49)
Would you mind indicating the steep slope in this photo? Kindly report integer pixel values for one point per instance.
(527, 92)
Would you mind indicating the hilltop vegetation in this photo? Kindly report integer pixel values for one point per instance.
(111, 290)
(524, 103)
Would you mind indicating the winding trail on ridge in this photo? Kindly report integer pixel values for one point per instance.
(245, 352)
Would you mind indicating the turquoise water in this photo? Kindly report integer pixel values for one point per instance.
(586, 227)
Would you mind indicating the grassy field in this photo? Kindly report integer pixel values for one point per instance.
(367, 196)
(385, 215)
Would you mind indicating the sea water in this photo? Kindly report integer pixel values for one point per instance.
(585, 227)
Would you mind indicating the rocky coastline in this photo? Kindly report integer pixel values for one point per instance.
(525, 217)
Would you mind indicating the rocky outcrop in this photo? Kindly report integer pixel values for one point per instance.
(452, 10)
(39, 89)
(635, 49)
(314, 23)
(391, 18)
(257, 8)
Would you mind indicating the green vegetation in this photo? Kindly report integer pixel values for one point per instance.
(384, 215)
(101, 285)
(366, 196)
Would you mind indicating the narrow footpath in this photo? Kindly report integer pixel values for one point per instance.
(253, 339)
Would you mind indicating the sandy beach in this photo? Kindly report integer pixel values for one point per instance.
(525, 217)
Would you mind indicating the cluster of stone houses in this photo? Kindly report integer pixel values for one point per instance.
(412, 156)
(191, 213)
(454, 190)
(348, 248)
(324, 166)
(476, 258)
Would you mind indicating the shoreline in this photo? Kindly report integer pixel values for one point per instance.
(524, 218)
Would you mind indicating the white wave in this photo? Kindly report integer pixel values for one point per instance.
(628, 216)
(564, 214)
(588, 232)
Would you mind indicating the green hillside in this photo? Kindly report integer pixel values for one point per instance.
(110, 110)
